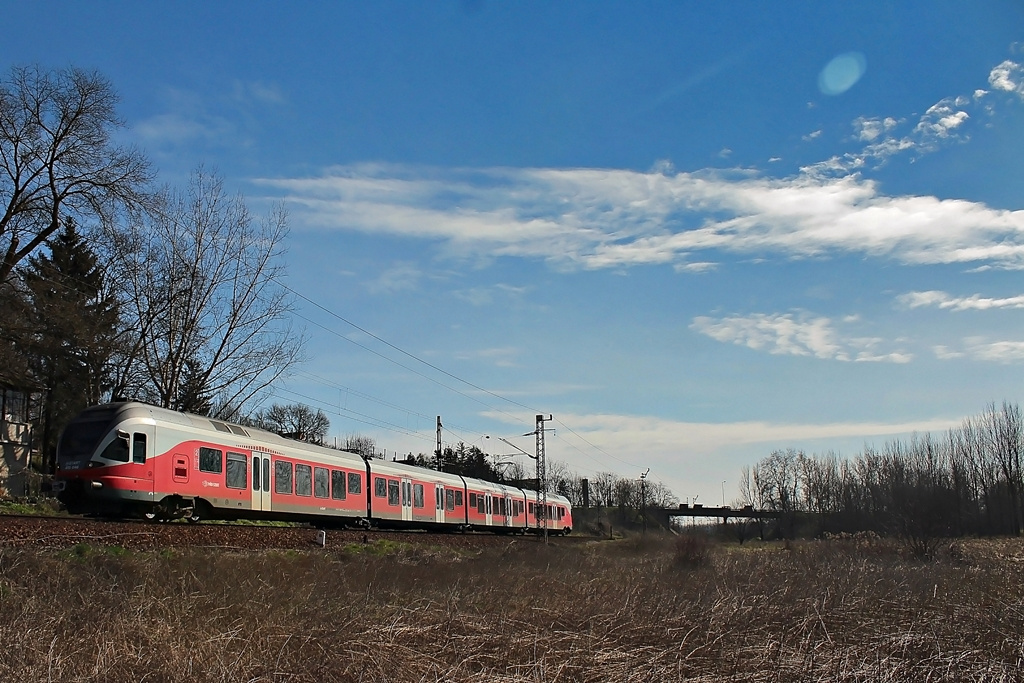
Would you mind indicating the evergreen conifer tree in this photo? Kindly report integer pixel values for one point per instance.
(74, 317)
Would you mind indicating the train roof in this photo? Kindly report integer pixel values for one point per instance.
(137, 409)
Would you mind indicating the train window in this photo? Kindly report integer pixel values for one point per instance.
(337, 485)
(417, 495)
(472, 500)
(380, 487)
(139, 448)
(480, 504)
(117, 449)
(266, 474)
(321, 482)
(256, 473)
(236, 475)
(449, 499)
(211, 460)
(394, 498)
(561, 512)
(531, 508)
(355, 483)
(438, 496)
(282, 476)
(458, 499)
(303, 480)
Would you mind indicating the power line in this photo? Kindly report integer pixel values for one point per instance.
(400, 350)
(401, 365)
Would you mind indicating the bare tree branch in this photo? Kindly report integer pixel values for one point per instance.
(57, 159)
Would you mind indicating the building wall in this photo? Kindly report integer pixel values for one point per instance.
(15, 440)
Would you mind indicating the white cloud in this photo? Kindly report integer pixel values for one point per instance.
(696, 267)
(868, 130)
(941, 120)
(608, 218)
(248, 92)
(800, 335)
(777, 334)
(484, 296)
(399, 277)
(702, 450)
(943, 300)
(598, 218)
(981, 349)
(945, 353)
(621, 432)
(999, 352)
(1009, 77)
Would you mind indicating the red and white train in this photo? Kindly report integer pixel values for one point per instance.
(137, 459)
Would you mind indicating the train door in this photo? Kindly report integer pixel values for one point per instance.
(439, 503)
(406, 499)
(488, 503)
(141, 441)
(507, 503)
(260, 482)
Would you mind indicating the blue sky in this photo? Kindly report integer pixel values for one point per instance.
(693, 233)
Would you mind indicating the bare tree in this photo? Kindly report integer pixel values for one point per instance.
(602, 489)
(57, 160)
(207, 320)
(296, 421)
(365, 446)
(1005, 434)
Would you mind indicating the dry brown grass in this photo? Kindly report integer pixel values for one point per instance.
(841, 610)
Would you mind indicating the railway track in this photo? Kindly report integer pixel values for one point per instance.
(59, 532)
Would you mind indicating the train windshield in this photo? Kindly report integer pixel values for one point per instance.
(82, 436)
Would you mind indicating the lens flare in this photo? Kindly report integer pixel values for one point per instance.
(840, 74)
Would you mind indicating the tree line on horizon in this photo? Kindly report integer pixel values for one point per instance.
(969, 481)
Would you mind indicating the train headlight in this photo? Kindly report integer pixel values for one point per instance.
(97, 484)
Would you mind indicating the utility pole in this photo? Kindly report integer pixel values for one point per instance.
(437, 451)
(542, 477)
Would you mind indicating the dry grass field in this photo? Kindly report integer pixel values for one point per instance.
(632, 610)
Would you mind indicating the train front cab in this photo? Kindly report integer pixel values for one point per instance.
(105, 460)
(557, 518)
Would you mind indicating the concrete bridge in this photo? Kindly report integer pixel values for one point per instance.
(665, 515)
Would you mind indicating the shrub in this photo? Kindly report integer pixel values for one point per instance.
(691, 551)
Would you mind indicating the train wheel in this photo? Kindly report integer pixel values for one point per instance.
(157, 513)
(199, 512)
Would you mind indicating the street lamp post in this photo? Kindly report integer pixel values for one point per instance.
(643, 500)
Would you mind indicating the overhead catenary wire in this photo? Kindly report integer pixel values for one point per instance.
(440, 370)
